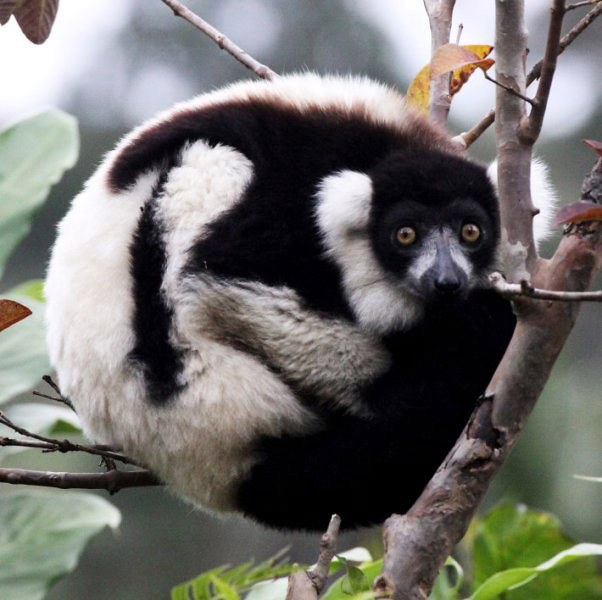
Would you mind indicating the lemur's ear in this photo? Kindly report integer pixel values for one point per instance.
(344, 200)
(543, 196)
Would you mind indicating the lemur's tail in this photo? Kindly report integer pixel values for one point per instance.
(543, 195)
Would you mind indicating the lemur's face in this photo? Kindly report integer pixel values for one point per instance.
(434, 224)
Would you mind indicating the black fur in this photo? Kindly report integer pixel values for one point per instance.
(271, 234)
(362, 468)
(366, 469)
(424, 190)
(153, 352)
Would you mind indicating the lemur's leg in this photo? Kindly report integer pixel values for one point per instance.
(326, 358)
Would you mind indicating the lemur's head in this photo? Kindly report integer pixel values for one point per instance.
(421, 227)
(434, 222)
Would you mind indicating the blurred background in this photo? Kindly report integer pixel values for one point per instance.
(113, 63)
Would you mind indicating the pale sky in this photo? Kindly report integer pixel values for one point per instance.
(34, 77)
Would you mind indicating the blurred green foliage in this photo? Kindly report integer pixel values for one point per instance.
(42, 534)
(513, 553)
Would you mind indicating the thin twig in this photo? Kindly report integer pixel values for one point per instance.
(509, 89)
(55, 387)
(580, 4)
(221, 40)
(328, 546)
(469, 137)
(459, 33)
(54, 445)
(526, 290)
(112, 481)
(5, 442)
(52, 384)
(40, 395)
(530, 126)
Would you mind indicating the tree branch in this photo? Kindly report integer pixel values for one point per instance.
(53, 445)
(440, 19)
(513, 154)
(580, 4)
(308, 585)
(328, 546)
(526, 290)
(112, 481)
(510, 90)
(469, 137)
(530, 126)
(221, 40)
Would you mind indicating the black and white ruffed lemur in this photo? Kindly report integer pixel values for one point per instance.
(274, 296)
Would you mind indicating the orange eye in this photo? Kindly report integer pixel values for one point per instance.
(405, 236)
(470, 233)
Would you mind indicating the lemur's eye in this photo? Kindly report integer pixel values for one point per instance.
(470, 233)
(405, 236)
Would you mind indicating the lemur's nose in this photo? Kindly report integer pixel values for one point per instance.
(447, 284)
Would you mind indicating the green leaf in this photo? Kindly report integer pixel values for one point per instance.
(354, 581)
(31, 289)
(354, 555)
(240, 579)
(511, 579)
(34, 153)
(224, 591)
(42, 535)
(44, 419)
(268, 590)
(444, 589)
(370, 571)
(513, 537)
(23, 355)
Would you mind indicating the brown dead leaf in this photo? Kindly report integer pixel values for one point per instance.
(7, 8)
(578, 212)
(451, 57)
(595, 145)
(12, 312)
(35, 18)
(462, 60)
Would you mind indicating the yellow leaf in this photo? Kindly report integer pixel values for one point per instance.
(462, 60)
(419, 91)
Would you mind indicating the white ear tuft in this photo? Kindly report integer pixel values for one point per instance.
(543, 196)
(344, 200)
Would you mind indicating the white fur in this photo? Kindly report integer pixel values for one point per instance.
(200, 441)
(208, 181)
(459, 256)
(343, 211)
(543, 197)
(426, 259)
